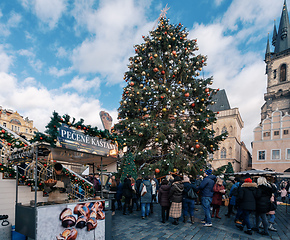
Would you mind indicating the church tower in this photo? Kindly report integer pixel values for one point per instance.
(271, 145)
(278, 69)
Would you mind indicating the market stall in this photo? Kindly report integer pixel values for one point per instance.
(71, 218)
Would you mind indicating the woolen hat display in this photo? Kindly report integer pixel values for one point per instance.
(208, 171)
(249, 180)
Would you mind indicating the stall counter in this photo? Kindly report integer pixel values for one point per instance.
(88, 220)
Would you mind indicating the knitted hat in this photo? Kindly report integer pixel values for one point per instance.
(249, 180)
(208, 171)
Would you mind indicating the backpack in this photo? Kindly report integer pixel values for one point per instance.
(191, 194)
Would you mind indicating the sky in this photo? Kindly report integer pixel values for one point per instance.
(70, 56)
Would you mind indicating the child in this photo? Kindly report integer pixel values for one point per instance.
(271, 214)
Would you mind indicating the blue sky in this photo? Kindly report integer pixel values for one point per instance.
(70, 55)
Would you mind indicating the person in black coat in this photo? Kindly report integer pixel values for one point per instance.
(263, 206)
(247, 201)
(127, 193)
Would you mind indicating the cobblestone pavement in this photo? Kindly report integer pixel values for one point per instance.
(131, 226)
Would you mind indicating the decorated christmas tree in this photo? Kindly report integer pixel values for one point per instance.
(163, 115)
(128, 167)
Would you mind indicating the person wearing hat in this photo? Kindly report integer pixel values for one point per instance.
(206, 189)
(247, 201)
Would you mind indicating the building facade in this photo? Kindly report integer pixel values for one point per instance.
(232, 149)
(271, 145)
(16, 123)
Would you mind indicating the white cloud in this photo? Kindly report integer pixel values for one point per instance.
(60, 72)
(116, 26)
(37, 103)
(12, 22)
(49, 12)
(82, 85)
(5, 60)
(36, 64)
(218, 2)
(61, 52)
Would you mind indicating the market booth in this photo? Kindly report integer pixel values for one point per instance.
(88, 218)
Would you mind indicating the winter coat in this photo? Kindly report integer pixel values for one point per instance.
(138, 182)
(127, 188)
(163, 195)
(234, 193)
(175, 193)
(247, 194)
(264, 194)
(187, 187)
(119, 191)
(147, 198)
(206, 186)
(217, 198)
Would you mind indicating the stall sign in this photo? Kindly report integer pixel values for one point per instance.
(76, 140)
(21, 154)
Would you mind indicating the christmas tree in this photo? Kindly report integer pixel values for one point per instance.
(164, 115)
(129, 167)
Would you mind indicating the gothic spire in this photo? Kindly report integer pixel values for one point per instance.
(283, 38)
(274, 38)
(268, 46)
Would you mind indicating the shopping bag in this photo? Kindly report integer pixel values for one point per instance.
(144, 190)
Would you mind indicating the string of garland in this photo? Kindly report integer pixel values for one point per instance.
(11, 173)
(10, 140)
(57, 120)
(74, 179)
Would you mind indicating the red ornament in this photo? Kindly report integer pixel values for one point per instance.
(162, 72)
(203, 129)
(84, 128)
(9, 144)
(197, 146)
(79, 127)
(3, 131)
(132, 84)
(157, 170)
(200, 170)
(193, 104)
(54, 126)
(173, 76)
(143, 36)
(186, 94)
(179, 24)
(206, 90)
(162, 96)
(155, 70)
(41, 138)
(151, 58)
(174, 52)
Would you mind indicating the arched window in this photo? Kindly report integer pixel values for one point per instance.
(283, 73)
(231, 131)
(217, 131)
(223, 153)
(224, 130)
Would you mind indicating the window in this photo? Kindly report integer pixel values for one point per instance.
(276, 133)
(261, 155)
(4, 124)
(275, 73)
(223, 153)
(285, 132)
(275, 154)
(266, 134)
(288, 153)
(26, 130)
(12, 127)
(283, 73)
(224, 130)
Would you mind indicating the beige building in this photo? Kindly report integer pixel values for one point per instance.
(16, 123)
(232, 149)
(271, 145)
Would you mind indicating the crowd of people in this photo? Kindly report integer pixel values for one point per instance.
(178, 196)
